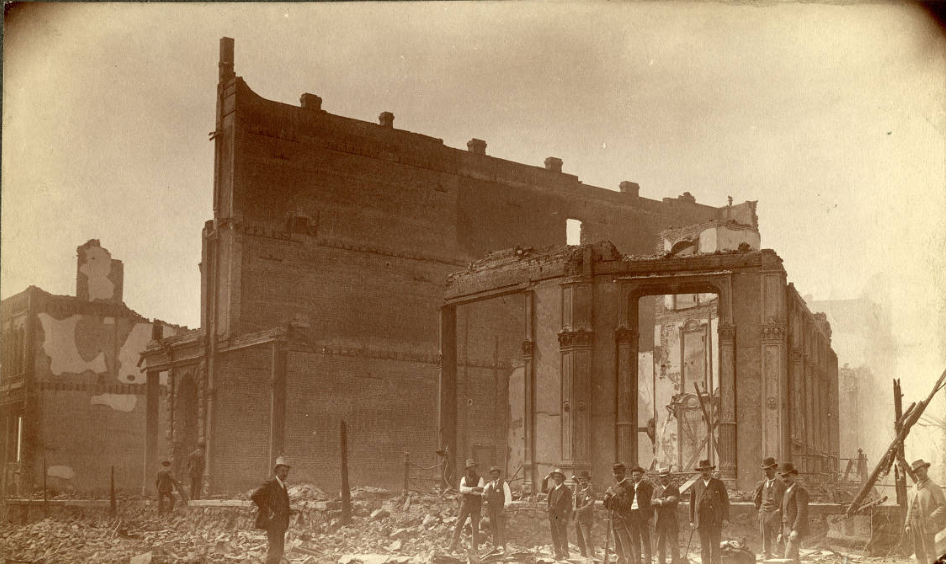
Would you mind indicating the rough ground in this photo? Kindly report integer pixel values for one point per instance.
(394, 530)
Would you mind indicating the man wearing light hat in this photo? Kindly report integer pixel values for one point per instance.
(768, 502)
(498, 497)
(471, 499)
(667, 528)
(794, 512)
(926, 514)
(709, 512)
(560, 509)
(272, 498)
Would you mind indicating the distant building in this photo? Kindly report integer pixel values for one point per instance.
(72, 396)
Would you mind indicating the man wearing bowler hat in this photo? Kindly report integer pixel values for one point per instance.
(498, 497)
(926, 514)
(618, 501)
(585, 514)
(668, 530)
(709, 512)
(471, 499)
(560, 509)
(794, 511)
(272, 498)
(768, 502)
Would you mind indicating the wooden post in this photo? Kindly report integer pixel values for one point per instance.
(346, 492)
(45, 498)
(407, 473)
(901, 481)
(111, 506)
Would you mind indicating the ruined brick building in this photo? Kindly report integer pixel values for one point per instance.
(72, 396)
(323, 274)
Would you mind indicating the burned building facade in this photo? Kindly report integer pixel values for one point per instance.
(323, 274)
(578, 398)
(73, 398)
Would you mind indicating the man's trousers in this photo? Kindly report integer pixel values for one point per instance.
(559, 526)
(710, 537)
(497, 526)
(474, 515)
(623, 547)
(585, 543)
(769, 525)
(277, 545)
(640, 536)
(668, 534)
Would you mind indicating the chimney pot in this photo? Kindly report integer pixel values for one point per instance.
(477, 146)
(226, 58)
(310, 102)
(554, 164)
(386, 119)
(631, 188)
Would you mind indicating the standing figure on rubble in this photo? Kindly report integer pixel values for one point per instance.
(165, 486)
(794, 512)
(641, 512)
(768, 502)
(926, 514)
(498, 497)
(560, 509)
(618, 500)
(668, 530)
(585, 514)
(471, 499)
(195, 470)
(709, 512)
(272, 498)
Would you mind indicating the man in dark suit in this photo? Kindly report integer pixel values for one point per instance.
(768, 502)
(641, 512)
(585, 514)
(560, 508)
(668, 530)
(272, 498)
(709, 512)
(794, 511)
(618, 500)
(165, 483)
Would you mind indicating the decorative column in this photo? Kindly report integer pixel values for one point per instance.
(727, 392)
(152, 391)
(447, 391)
(799, 431)
(575, 348)
(627, 343)
(528, 414)
(773, 345)
(278, 382)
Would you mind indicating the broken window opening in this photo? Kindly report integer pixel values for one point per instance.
(19, 438)
(573, 232)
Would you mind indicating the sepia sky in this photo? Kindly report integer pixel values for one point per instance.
(832, 116)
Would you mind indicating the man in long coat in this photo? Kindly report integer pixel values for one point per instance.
(585, 514)
(618, 501)
(641, 512)
(926, 514)
(560, 509)
(666, 500)
(768, 502)
(709, 512)
(794, 512)
(272, 498)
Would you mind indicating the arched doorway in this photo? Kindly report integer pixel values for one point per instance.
(185, 417)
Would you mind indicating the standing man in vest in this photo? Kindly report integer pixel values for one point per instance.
(668, 530)
(560, 509)
(641, 512)
(585, 514)
(618, 500)
(794, 512)
(926, 514)
(272, 498)
(768, 502)
(471, 499)
(498, 497)
(709, 512)
(165, 485)
(195, 470)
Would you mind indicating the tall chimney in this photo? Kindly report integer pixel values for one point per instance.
(630, 188)
(554, 164)
(477, 146)
(386, 119)
(226, 58)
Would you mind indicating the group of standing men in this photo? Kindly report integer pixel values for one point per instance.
(166, 483)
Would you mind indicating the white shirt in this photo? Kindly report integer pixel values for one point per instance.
(706, 482)
(281, 483)
(634, 503)
(465, 489)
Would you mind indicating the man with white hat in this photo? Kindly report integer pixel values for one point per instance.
(709, 512)
(926, 514)
(471, 500)
(272, 498)
(666, 500)
(560, 510)
(768, 502)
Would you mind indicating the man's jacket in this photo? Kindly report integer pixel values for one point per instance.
(795, 510)
(709, 503)
(667, 510)
(560, 502)
(273, 502)
(643, 494)
(165, 481)
(585, 505)
(770, 501)
(931, 505)
(619, 497)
